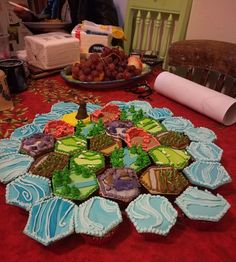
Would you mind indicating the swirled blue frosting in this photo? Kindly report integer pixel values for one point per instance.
(43, 119)
(152, 214)
(205, 151)
(12, 166)
(27, 189)
(202, 205)
(122, 105)
(200, 134)
(207, 174)
(9, 146)
(50, 220)
(97, 216)
(63, 108)
(159, 113)
(178, 124)
(92, 107)
(26, 131)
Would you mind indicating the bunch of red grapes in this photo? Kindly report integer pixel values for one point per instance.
(111, 64)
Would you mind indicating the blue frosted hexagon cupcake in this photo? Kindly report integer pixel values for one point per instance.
(63, 108)
(26, 131)
(207, 174)
(9, 146)
(159, 113)
(200, 134)
(27, 190)
(97, 218)
(202, 204)
(12, 166)
(205, 151)
(50, 220)
(152, 214)
(178, 124)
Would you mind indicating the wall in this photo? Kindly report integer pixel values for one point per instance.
(209, 19)
(213, 19)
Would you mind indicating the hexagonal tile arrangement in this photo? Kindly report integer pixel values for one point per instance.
(50, 220)
(152, 214)
(205, 151)
(207, 174)
(27, 190)
(97, 216)
(202, 205)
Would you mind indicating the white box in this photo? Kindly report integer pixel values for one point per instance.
(90, 43)
(52, 50)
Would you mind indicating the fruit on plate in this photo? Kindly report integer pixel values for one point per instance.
(136, 61)
(111, 64)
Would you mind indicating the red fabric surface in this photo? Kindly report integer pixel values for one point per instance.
(185, 242)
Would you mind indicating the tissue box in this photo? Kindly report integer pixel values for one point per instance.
(52, 50)
(90, 43)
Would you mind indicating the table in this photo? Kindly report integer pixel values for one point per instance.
(184, 242)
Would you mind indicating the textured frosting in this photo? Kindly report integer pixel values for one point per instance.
(152, 214)
(25, 131)
(12, 166)
(90, 159)
(50, 220)
(92, 107)
(63, 108)
(74, 184)
(9, 146)
(59, 128)
(205, 151)
(163, 180)
(151, 126)
(119, 183)
(207, 174)
(202, 205)
(118, 128)
(27, 190)
(178, 124)
(43, 119)
(121, 104)
(133, 157)
(37, 144)
(46, 164)
(97, 216)
(159, 113)
(167, 156)
(70, 144)
(174, 139)
(145, 106)
(200, 134)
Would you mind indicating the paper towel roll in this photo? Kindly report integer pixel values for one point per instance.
(213, 104)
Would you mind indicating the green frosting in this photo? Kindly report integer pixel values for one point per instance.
(151, 126)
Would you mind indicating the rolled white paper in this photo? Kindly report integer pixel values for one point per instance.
(213, 104)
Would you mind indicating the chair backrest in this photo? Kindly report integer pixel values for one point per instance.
(207, 62)
(151, 25)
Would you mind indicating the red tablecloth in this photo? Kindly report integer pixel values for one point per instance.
(184, 242)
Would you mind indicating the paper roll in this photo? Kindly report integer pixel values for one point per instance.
(213, 104)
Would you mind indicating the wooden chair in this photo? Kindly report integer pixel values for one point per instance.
(151, 25)
(207, 62)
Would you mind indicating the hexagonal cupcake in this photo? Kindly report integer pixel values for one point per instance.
(200, 134)
(152, 214)
(27, 189)
(207, 174)
(163, 180)
(119, 183)
(78, 183)
(202, 205)
(177, 123)
(9, 146)
(97, 217)
(205, 151)
(12, 166)
(90, 159)
(50, 220)
(167, 156)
